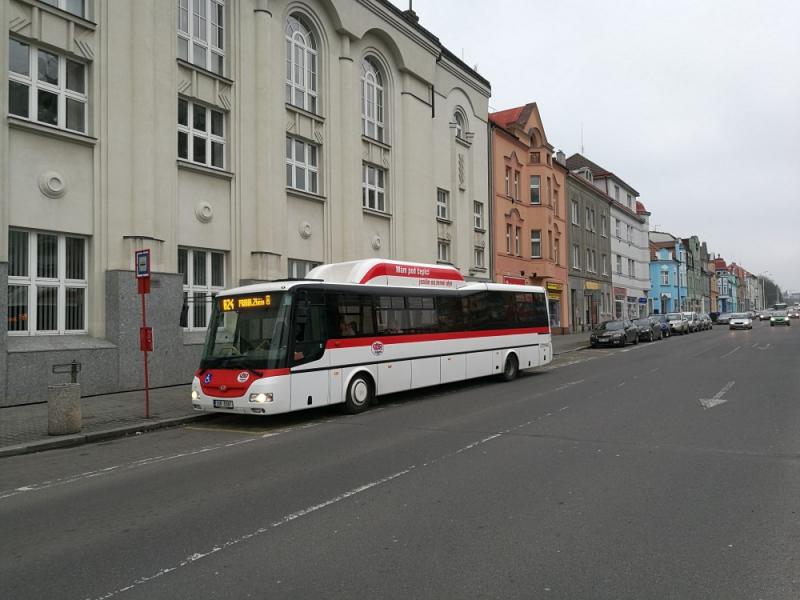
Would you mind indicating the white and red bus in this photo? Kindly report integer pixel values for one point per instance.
(356, 330)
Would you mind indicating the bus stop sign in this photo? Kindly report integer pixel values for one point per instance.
(143, 270)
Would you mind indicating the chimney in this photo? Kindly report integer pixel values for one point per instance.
(561, 157)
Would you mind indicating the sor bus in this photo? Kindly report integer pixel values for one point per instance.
(352, 331)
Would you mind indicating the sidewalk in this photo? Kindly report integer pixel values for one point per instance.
(570, 342)
(23, 429)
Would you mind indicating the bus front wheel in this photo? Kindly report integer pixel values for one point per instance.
(359, 394)
(511, 368)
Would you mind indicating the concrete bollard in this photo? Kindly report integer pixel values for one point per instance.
(63, 408)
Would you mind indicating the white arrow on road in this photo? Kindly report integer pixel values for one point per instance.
(718, 397)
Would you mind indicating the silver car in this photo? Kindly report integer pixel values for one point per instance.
(678, 323)
(694, 321)
(740, 321)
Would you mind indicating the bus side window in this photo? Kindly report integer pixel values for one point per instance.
(309, 328)
(450, 312)
(353, 315)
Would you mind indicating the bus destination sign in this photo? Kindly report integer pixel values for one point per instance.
(245, 302)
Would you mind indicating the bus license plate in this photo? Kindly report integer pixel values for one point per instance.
(223, 403)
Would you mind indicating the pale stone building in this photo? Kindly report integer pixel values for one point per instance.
(238, 141)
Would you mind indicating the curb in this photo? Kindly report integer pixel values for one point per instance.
(78, 439)
(585, 347)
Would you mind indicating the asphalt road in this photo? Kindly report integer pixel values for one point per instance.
(663, 470)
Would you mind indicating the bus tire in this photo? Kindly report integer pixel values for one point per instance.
(359, 394)
(511, 368)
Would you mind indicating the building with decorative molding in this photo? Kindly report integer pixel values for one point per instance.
(528, 191)
(238, 141)
(668, 292)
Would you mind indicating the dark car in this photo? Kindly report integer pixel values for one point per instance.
(649, 328)
(614, 333)
(724, 318)
(662, 320)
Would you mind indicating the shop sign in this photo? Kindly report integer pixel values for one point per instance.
(555, 286)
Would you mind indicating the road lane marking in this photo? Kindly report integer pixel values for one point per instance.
(37, 487)
(718, 397)
(569, 384)
(196, 556)
(731, 352)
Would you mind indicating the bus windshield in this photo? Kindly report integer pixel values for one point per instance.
(248, 332)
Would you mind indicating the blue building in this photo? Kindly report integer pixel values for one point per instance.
(727, 287)
(668, 290)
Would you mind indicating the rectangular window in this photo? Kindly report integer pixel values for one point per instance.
(588, 260)
(46, 87)
(373, 187)
(443, 204)
(619, 264)
(630, 233)
(630, 201)
(535, 191)
(516, 185)
(518, 241)
(477, 208)
(588, 221)
(509, 233)
(604, 258)
(592, 221)
(536, 157)
(536, 243)
(556, 209)
(479, 258)
(298, 269)
(557, 251)
(201, 33)
(664, 277)
(443, 251)
(203, 273)
(47, 282)
(302, 165)
(201, 134)
(576, 217)
(618, 229)
(508, 181)
(76, 7)
(631, 268)
(603, 226)
(576, 257)
(616, 193)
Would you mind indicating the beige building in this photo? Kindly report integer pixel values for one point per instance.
(239, 141)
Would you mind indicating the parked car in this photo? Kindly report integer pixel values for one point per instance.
(740, 321)
(614, 333)
(662, 320)
(694, 322)
(678, 323)
(724, 318)
(706, 321)
(649, 329)
(779, 317)
(764, 315)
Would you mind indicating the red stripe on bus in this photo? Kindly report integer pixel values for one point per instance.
(429, 337)
(390, 270)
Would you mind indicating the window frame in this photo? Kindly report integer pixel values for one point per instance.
(214, 27)
(366, 187)
(518, 241)
(576, 216)
(301, 78)
(373, 94)
(63, 5)
(305, 166)
(509, 233)
(479, 257)
(190, 289)
(536, 189)
(442, 204)
(442, 251)
(188, 129)
(477, 214)
(34, 85)
(576, 257)
(536, 239)
(33, 282)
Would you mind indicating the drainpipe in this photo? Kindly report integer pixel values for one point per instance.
(490, 194)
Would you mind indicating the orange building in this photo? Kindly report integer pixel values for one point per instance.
(529, 208)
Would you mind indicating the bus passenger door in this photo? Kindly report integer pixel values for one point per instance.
(309, 361)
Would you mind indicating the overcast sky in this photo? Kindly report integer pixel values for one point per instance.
(695, 103)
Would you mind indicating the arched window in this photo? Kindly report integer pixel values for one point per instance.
(461, 126)
(372, 116)
(301, 66)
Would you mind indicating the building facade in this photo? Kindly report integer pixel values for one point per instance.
(529, 208)
(694, 298)
(667, 273)
(630, 254)
(239, 142)
(727, 286)
(589, 214)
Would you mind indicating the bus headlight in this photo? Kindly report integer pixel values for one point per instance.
(261, 397)
(194, 394)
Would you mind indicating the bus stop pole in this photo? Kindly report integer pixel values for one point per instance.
(146, 370)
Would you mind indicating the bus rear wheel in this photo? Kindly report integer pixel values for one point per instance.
(511, 368)
(359, 394)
